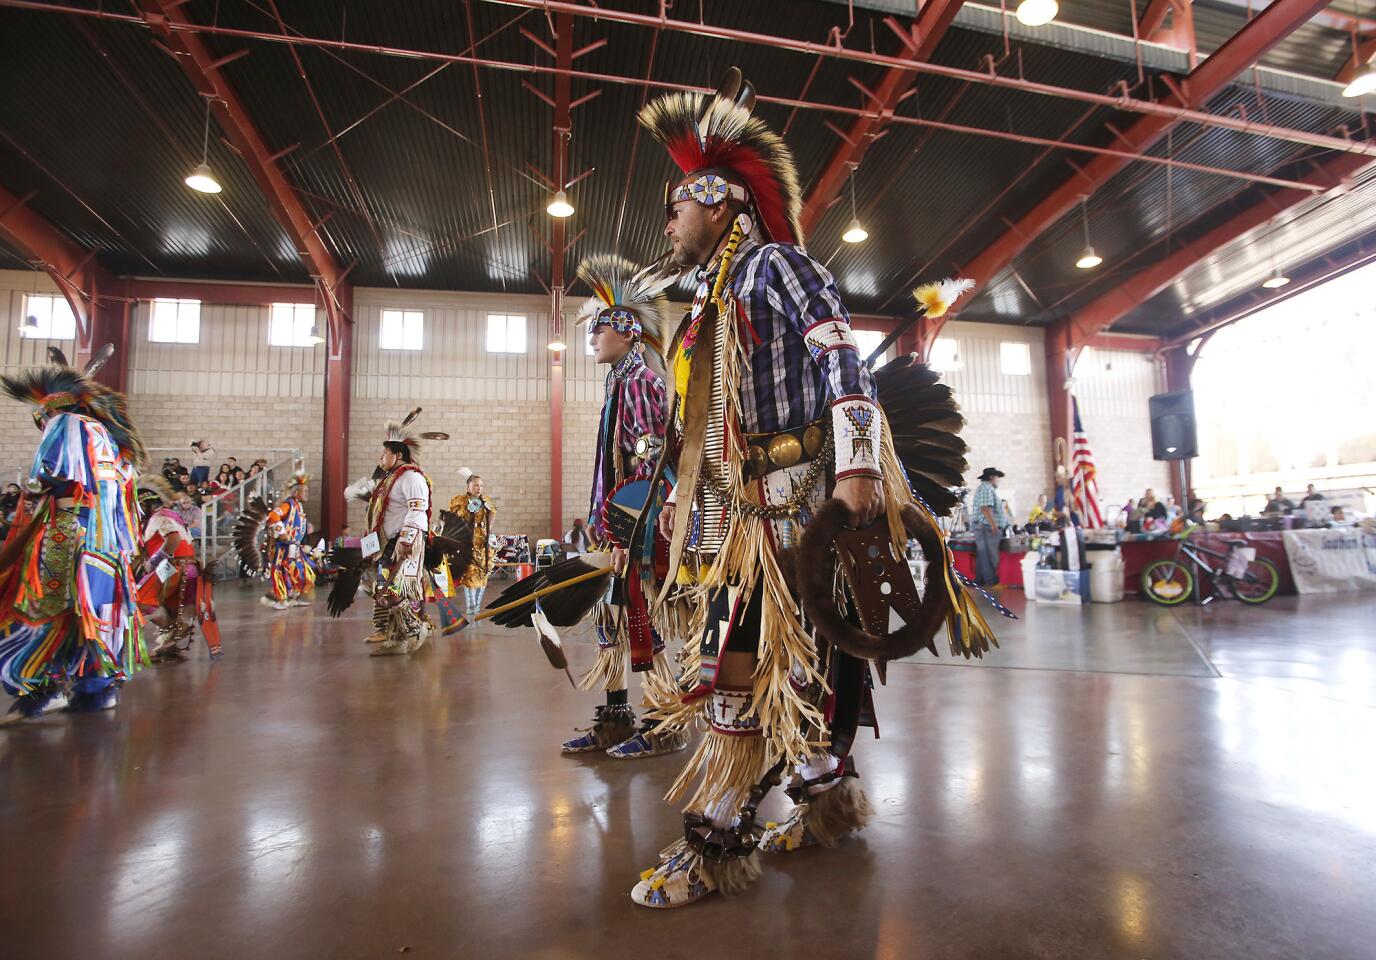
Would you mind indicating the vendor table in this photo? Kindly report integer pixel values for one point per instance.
(1140, 554)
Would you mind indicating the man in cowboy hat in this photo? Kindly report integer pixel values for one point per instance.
(988, 523)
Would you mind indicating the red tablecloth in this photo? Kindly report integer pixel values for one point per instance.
(1139, 554)
(1010, 564)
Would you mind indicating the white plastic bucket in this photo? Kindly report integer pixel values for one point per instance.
(1106, 582)
(1029, 574)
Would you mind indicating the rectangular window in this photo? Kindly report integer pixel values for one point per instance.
(175, 321)
(1015, 359)
(292, 325)
(1086, 367)
(867, 340)
(402, 330)
(506, 334)
(47, 317)
(945, 354)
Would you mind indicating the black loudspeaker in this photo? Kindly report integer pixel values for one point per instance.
(1172, 426)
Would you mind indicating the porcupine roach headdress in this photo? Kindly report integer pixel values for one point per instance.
(402, 440)
(61, 388)
(299, 476)
(626, 299)
(717, 133)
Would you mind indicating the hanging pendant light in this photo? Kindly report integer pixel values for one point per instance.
(855, 232)
(558, 346)
(560, 206)
(1276, 280)
(1362, 84)
(1365, 80)
(1088, 258)
(1037, 13)
(201, 178)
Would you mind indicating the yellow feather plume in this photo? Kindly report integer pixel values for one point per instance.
(936, 298)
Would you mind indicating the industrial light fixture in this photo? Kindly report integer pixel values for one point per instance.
(313, 338)
(1276, 280)
(558, 346)
(1036, 13)
(560, 206)
(1362, 84)
(855, 232)
(201, 178)
(1088, 258)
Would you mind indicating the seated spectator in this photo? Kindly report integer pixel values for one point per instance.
(1041, 513)
(9, 506)
(1150, 507)
(1310, 494)
(1278, 504)
(1196, 511)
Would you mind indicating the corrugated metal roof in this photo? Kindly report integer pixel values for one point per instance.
(406, 184)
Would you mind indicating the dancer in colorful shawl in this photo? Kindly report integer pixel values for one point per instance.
(291, 572)
(69, 621)
(174, 594)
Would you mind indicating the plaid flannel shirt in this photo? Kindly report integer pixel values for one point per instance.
(986, 495)
(636, 393)
(803, 361)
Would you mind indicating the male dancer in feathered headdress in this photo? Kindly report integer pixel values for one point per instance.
(398, 525)
(69, 620)
(774, 413)
(625, 318)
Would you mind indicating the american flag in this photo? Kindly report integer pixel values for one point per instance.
(1084, 485)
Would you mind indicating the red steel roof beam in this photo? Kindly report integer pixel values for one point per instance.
(1102, 312)
(563, 121)
(926, 32)
(1361, 56)
(1241, 51)
(1117, 102)
(1153, 19)
(175, 30)
(91, 291)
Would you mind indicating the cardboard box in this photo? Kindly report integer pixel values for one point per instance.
(1062, 586)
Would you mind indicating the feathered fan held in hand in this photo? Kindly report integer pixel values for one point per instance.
(248, 534)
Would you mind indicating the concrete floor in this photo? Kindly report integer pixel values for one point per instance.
(1120, 781)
